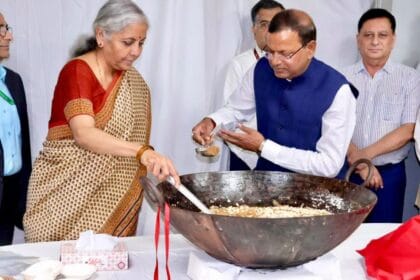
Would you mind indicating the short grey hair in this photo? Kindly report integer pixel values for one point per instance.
(112, 17)
(115, 15)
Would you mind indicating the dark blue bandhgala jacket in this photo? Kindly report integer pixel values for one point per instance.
(290, 112)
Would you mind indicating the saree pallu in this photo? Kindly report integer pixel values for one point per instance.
(72, 190)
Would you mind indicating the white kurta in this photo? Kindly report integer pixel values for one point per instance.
(238, 67)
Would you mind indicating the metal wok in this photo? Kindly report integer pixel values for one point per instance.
(264, 242)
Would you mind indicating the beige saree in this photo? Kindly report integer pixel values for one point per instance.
(72, 190)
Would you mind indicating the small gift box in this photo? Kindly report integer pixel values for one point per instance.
(103, 251)
(115, 259)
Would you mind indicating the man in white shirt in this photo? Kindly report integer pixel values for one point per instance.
(305, 109)
(386, 113)
(261, 14)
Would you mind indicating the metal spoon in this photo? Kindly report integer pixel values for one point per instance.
(208, 151)
(189, 195)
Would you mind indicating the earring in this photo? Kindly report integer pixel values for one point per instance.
(100, 44)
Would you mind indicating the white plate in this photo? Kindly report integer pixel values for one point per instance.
(46, 269)
(78, 271)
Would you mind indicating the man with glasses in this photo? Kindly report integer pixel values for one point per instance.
(15, 154)
(386, 113)
(305, 109)
(261, 14)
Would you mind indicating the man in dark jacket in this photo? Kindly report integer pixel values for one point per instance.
(15, 155)
(305, 109)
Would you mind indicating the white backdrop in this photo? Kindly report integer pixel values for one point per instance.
(189, 45)
(187, 50)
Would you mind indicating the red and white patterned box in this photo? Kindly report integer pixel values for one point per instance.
(116, 259)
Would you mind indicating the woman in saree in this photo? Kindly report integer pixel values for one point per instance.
(87, 174)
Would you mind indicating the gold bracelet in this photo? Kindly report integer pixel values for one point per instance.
(141, 151)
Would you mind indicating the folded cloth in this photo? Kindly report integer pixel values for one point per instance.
(202, 266)
(395, 255)
(319, 265)
(13, 264)
(313, 270)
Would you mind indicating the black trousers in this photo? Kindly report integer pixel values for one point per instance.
(10, 213)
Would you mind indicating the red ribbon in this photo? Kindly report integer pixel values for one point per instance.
(157, 234)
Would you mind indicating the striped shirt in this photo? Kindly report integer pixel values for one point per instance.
(386, 101)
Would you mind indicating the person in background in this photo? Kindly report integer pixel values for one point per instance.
(305, 109)
(261, 14)
(15, 151)
(417, 135)
(87, 175)
(417, 147)
(386, 112)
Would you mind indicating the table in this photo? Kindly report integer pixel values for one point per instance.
(142, 254)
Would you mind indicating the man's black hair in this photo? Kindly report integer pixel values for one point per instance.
(264, 4)
(376, 13)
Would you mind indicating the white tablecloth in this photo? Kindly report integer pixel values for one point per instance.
(142, 254)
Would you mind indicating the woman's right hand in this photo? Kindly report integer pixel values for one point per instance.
(159, 165)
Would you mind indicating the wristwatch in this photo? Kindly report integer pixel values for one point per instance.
(261, 147)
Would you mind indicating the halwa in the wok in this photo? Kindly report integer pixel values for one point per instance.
(279, 211)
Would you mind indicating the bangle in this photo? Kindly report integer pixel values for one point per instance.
(141, 151)
(261, 147)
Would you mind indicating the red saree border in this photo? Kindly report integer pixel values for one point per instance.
(75, 107)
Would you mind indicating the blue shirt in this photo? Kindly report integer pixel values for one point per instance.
(10, 131)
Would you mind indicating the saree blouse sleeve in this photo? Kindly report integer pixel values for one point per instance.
(76, 92)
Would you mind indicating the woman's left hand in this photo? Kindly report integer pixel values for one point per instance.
(159, 165)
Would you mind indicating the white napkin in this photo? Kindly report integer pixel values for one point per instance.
(249, 157)
(291, 273)
(89, 241)
(326, 266)
(202, 266)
